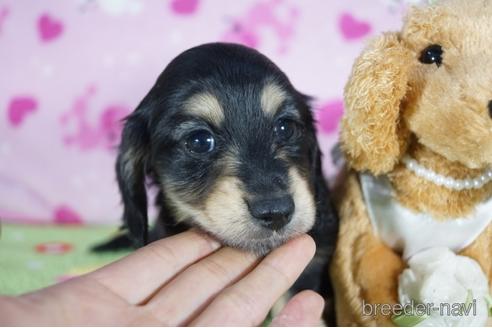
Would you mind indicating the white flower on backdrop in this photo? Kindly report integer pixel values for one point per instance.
(115, 7)
(405, 3)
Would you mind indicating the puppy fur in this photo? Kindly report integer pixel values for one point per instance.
(264, 149)
(440, 114)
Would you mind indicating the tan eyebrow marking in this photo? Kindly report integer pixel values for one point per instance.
(206, 106)
(272, 96)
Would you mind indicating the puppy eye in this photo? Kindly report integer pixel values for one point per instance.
(432, 55)
(200, 142)
(285, 129)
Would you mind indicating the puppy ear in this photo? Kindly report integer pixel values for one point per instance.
(372, 135)
(315, 153)
(323, 199)
(325, 229)
(130, 170)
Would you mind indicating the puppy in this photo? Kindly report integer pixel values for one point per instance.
(231, 147)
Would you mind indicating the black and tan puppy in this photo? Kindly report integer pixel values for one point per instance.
(231, 146)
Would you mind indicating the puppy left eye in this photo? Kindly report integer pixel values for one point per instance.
(285, 129)
(200, 142)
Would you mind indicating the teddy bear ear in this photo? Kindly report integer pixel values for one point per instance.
(373, 137)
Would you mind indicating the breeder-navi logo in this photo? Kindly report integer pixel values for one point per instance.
(423, 310)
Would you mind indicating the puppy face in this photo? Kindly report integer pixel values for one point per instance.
(231, 145)
(449, 104)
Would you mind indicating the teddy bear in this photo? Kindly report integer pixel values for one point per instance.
(415, 203)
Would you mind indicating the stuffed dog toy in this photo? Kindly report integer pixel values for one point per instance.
(231, 147)
(417, 136)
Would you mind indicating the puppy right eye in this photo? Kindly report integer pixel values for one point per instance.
(432, 55)
(200, 142)
(285, 129)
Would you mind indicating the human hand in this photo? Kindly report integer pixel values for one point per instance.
(186, 279)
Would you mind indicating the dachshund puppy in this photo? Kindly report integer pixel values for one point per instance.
(231, 147)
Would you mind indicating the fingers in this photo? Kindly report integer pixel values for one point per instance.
(15, 312)
(304, 309)
(198, 284)
(247, 302)
(139, 275)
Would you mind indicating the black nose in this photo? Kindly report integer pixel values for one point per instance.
(490, 108)
(273, 213)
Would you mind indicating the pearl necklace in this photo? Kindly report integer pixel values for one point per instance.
(448, 182)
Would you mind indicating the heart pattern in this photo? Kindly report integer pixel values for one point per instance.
(352, 28)
(4, 12)
(328, 116)
(184, 7)
(19, 108)
(49, 28)
(64, 214)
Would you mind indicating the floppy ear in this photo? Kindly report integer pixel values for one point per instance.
(327, 226)
(325, 229)
(315, 160)
(130, 171)
(372, 136)
(324, 232)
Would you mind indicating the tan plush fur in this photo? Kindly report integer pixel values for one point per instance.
(396, 105)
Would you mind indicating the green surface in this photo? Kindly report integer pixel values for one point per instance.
(31, 256)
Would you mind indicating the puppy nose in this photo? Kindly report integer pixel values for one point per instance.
(490, 108)
(273, 213)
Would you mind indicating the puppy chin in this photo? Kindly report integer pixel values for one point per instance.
(258, 240)
(260, 247)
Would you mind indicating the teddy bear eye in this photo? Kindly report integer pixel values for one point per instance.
(432, 55)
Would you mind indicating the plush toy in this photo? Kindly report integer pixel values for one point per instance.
(416, 204)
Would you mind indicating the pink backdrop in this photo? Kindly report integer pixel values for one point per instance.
(70, 70)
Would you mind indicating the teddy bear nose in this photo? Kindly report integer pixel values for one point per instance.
(490, 108)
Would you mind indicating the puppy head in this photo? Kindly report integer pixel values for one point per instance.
(432, 80)
(231, 145)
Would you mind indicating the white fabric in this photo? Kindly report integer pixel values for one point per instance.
(411, 232)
